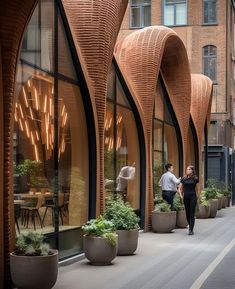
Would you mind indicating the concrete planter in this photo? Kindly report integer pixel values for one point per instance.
(127, 241)
(213, 207)
(163, 222)
(226, 202)
(98, 250)
(203, 212)
(220, 201)
(181, 221)
(35, 272)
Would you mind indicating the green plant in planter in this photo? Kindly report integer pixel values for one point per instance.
(209, 193)
(101, 227)
(163, 207)
(178, 203)
(32, 170)
(121, 214)
(31, 244)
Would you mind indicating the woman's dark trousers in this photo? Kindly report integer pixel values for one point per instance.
(190, 203)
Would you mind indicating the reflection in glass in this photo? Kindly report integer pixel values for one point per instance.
(190, 157)
(165, 143)
(121, 156)
(50, 141)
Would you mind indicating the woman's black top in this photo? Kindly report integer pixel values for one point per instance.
(189, 185)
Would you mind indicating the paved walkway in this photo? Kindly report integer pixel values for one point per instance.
(205, 260)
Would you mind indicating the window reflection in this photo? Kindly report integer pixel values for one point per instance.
(121, 157)
(165, 143)
(50, 141)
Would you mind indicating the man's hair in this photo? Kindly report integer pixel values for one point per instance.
(167, 166)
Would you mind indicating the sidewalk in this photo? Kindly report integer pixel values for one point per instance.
(164, 261)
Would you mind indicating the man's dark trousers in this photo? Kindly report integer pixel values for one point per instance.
(168, 196)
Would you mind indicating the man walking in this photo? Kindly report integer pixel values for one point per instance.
(169, 183)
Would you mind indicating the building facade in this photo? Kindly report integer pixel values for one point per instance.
(206, 28)
(84, 116)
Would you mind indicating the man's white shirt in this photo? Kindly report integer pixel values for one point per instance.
(169, 182)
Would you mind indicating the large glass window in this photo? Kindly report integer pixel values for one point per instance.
(140, 13)
(122, 154)
(165, 143)
(209, 54)
(209, 11)
(190, 157)
(175, 12)
(50, 137)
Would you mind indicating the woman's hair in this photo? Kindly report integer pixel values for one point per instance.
(192, 175)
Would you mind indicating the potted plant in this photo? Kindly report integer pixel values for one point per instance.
(181, 220)
(210, 194)
(99, 241)
(33, 264)
(227, 197)
(203, 210)
(126, 222)
(163, 219)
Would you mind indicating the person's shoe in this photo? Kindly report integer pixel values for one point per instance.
(190, 232)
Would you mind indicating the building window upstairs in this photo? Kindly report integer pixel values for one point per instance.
(209, 55)
(209, 11)
(140, 13)
(175, 12)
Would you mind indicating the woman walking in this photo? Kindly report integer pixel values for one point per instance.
(188, 185)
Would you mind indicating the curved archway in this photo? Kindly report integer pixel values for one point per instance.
(140, 56)
(200, 110)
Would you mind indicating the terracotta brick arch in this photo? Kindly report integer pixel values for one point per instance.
(140, 56)
(200, 108)
(14, 16)
(94, 26)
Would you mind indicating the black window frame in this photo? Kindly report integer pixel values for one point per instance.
(208, 56)
(208, 3)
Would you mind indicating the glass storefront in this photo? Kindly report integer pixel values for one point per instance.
(165, 142)
(50, 140)
(122, 153)
(190, 157)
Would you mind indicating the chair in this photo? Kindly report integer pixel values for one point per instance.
(51, 205)
(33, 210)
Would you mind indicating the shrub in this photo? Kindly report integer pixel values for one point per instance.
(121, 214)
(101, 227)
(178, 203)
(163, 207)
(32, 244)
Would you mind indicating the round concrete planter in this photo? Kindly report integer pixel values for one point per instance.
(181, 221)
(220, 201)
(225, 202)
(213, 207)
(163, 222)
(127, 241)
(203, 212)
(98, 250)
(35, 272)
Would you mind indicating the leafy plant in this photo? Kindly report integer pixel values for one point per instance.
(121, 214)
(101, 227)
(178, 203)
(163, 207)
(32, 170)
(32, 244)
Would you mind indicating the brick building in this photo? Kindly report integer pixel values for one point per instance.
(207, 30)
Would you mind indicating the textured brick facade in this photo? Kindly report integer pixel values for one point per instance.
(200, 106)
(94, 26)
(140, 57)
(195, 36)
(14, 16)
